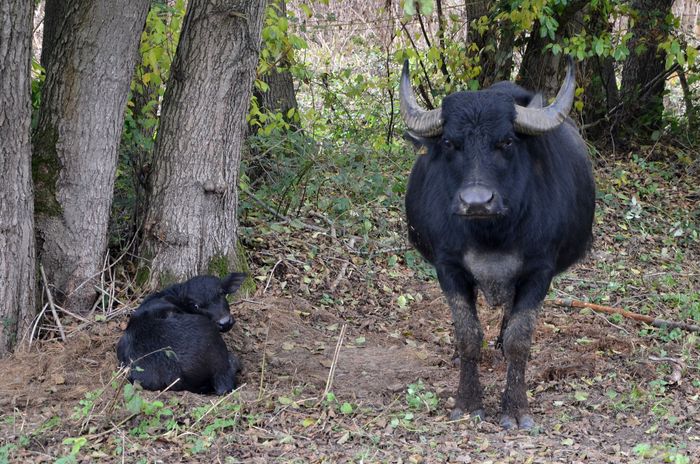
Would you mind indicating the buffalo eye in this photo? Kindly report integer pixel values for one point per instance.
(505, 143)
(447, 144)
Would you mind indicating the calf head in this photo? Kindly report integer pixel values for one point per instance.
(206, 295)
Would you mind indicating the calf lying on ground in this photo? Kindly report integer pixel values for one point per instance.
(174, 334)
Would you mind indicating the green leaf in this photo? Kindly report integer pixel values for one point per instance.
(346, 408)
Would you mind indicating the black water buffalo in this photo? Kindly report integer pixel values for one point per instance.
(175, 334)
(502, 200)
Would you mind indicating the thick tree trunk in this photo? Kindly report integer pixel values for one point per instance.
(89, 65)
(642, 83)
(16, 199)
(495, 45)
(539, 70)
(191, 226)
(280, 95)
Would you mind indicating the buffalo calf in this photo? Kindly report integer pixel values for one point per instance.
(175, 334)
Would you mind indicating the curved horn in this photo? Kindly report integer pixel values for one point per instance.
(419, 121)
(535, 121)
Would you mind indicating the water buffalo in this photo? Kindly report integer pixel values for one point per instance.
(175, 334)
(502, 200)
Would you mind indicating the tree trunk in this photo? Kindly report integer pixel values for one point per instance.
(93, 50)
(16, 202)
(599, 82)
(191, 226)
(495, 45)
(642, 83)
(539, 70)
(280, 95)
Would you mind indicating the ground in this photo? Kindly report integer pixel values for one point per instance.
(347, 357)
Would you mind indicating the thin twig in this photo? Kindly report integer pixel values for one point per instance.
(661, 323)
(51, 304)
(272, 272)
(262, 363)
(343, 268)
(331, 371)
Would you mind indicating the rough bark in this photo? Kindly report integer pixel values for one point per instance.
(89, 65)
(280, 95)
(191, 226)
(495, 45)
(539, 70)
(643, 103)
(16, 199)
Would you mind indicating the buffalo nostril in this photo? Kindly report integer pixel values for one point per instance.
(476, 196)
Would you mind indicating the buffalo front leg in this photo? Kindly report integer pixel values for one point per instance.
(517, 340)
(461, 298)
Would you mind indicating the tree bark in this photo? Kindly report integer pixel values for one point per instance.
(16, 199)
(90, 53)
(191, 226)
(539, 70)
(280, 95)
(644, 64)
(495, 45)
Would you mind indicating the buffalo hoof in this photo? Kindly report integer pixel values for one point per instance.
(458, 413)
(526, 422)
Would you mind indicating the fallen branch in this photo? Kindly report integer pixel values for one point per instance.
(661, 323)
(51, 304)
(334, 363)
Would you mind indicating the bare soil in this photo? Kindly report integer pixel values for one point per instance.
(601, 390)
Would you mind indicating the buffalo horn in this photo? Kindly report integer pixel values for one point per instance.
(419, 121)
(535, 121)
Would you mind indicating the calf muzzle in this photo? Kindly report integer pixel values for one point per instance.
(225, 323)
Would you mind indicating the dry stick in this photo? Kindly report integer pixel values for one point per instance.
(331, 372)
(262, 363)
(343, 268)
(51, 304)
(628, 314)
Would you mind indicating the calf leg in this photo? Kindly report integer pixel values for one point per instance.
(225, 380)
(461, 297)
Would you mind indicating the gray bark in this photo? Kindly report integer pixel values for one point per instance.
(280, 95)
(641, 69)
(539, 70)
(191, 226)
(16, 198)
(495, 44)
(89, 64)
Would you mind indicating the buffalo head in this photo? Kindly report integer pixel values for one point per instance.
(478, 141)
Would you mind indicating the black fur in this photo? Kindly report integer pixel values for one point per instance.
(175, 334)
(537, 225)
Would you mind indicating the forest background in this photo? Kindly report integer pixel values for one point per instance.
(149, 161)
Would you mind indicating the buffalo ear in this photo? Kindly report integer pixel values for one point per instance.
(420, 144)
(233, 281)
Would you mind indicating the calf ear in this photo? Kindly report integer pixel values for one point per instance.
(233, 281)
